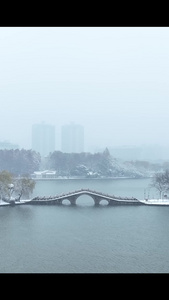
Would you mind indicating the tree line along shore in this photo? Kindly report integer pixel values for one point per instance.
(87, 165)
(17, 167)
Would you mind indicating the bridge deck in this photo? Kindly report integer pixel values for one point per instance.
(94, 194)
(97, 197)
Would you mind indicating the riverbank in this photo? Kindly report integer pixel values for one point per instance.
(4, 203)
(84, 178)
(161, 202)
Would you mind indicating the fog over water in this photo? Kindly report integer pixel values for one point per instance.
(111, 80)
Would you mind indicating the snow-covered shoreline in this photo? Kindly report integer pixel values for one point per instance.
(162, 202)
(84, 178)
(4, 203)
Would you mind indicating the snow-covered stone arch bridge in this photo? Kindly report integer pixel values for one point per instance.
(96, 196)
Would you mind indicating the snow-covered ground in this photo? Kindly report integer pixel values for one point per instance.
(4, 203)
(155, 201)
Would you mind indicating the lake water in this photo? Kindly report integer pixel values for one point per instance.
(85, 238)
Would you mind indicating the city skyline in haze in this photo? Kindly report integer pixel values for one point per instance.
(43, 138)
(72, 140)
(111, 80)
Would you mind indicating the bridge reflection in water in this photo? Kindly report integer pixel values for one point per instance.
(96, 196)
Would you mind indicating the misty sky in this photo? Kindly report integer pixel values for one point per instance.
(112, 80)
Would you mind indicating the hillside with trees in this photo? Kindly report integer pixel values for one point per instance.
(88, 165)
(85, 165)
(19, 162)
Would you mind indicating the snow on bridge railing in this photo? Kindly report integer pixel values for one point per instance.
(103, 194)
(81, 191)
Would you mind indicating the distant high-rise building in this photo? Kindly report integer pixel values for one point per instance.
(43, 138)
(72, 138)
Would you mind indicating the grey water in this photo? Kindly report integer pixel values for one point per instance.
(85, 238)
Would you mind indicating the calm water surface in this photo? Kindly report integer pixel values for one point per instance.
(85, 238)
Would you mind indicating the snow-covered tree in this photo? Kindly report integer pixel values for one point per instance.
(24, 187)
(160, 181)
(19, 162)
(9, 184)
(100, 164)
(6, 178)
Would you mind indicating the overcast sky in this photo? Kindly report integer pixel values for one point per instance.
(112, 80)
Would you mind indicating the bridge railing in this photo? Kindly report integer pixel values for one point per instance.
(88, 191)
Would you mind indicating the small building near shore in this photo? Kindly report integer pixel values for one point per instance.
(46, 174)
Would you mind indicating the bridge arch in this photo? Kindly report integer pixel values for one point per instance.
(72, 199)
(97, 200)
(85, 199)
(104, 202)
(65, 202)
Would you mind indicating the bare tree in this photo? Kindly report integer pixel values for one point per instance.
(6, 179)
(24, 187)
(160, 181)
